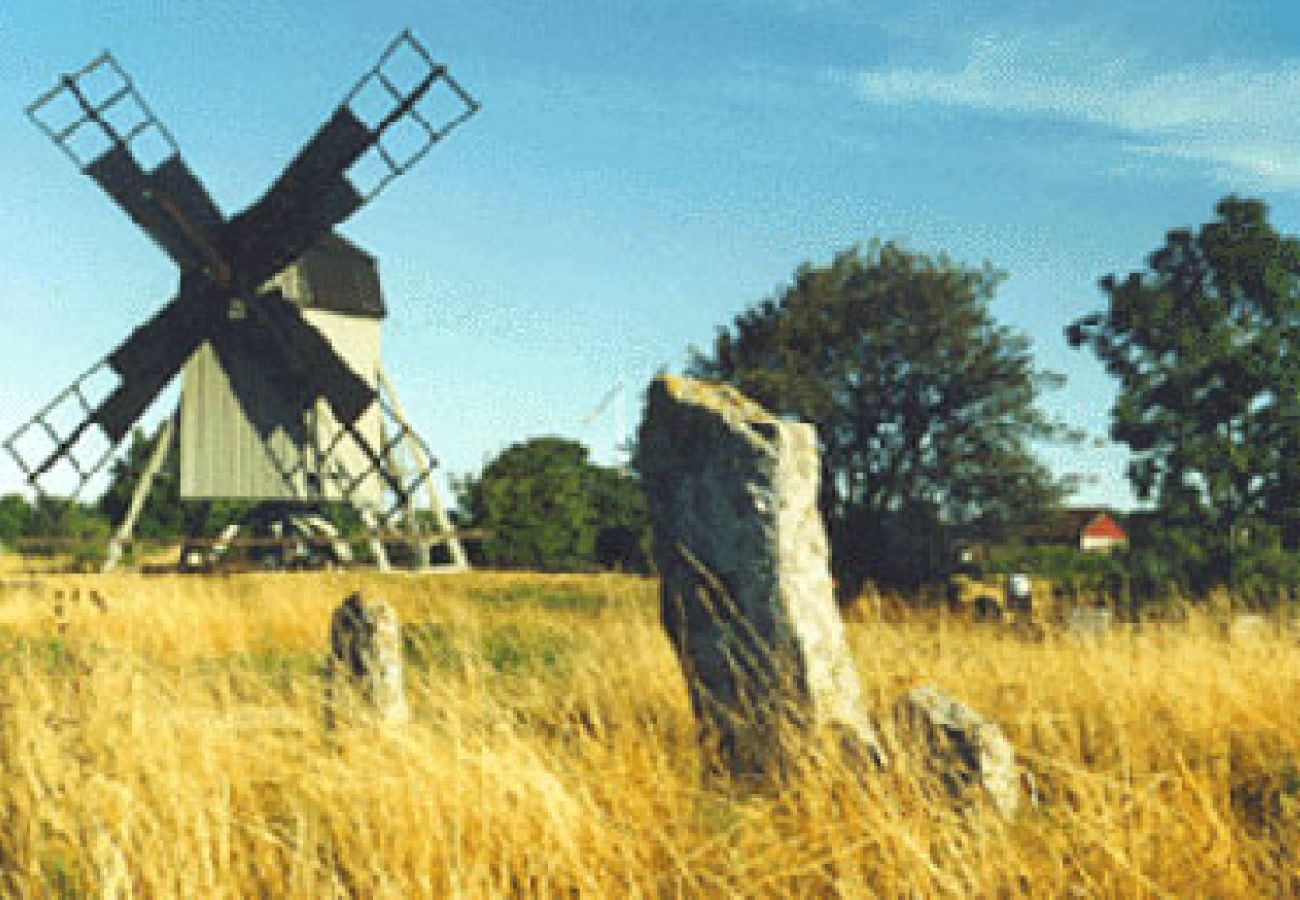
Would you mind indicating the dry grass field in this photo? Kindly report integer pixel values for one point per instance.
(168, 742)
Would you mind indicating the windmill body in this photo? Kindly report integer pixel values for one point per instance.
(244, 437)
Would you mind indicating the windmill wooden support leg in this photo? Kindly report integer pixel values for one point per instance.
(376, 545)
(222, 546)
(140, 494)
(314, 526)
(419, 547)
(459, 561)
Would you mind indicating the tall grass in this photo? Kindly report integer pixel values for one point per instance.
(168, 742)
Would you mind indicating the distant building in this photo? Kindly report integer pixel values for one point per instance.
(1102, 534)
(1091, 530)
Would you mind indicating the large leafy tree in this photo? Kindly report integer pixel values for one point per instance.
(925, 406)
(548, 507)
(1206, 346)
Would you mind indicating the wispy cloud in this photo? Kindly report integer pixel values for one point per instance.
(1241, 121)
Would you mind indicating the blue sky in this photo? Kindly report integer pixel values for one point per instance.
(642, 171)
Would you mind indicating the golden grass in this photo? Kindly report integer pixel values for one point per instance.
(168, 743)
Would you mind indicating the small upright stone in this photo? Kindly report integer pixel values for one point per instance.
(1089, 622)
(365, 661)
(746, 594)
(960, 747)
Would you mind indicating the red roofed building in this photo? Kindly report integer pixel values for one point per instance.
(1102, 534)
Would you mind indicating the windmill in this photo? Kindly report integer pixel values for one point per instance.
(275, 322)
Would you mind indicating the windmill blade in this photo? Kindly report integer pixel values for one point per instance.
(379, 131)
(81, 427)
(61, 433)
(610, 396)
(309, 358)
(98, 118)
(393, 461)
(153, 353)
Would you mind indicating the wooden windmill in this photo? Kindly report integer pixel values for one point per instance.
(276, 322)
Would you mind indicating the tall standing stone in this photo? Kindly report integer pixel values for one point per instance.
(746, 593)
(365, 661)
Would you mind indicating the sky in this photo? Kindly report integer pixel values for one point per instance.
(642, 171)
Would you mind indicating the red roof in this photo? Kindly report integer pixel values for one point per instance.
(1103, 526)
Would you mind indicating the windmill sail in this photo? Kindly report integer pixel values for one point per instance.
(324, 184)
(99, 119)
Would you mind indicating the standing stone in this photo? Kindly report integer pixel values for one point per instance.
(746, 595)
(960, 747)
(365, 662)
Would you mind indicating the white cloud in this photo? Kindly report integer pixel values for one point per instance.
(1240, 121)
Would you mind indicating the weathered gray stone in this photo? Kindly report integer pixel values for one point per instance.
(746, 594)
(364, 671)
(960, 747)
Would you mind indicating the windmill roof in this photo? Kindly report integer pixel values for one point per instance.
(338, 276)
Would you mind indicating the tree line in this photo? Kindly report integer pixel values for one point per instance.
(929, 419)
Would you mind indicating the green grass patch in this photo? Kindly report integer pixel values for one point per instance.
(48, 654)
(511, 650)
(283, 670)
(428, 646)
(541, 595)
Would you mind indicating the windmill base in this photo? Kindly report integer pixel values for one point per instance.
(277, 536)
(295, 535)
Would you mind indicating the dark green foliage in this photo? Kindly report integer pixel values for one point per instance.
(1069, 569)
(548, 506)
(925, 407)
(1206, 346)
(162, 515)
(533, 498)
(15, 518)
(72, 525)
(622, 521)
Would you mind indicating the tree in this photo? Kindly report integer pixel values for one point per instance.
(924, 406)
(15, 518)
(68, 520)
(623, 522)
(1206, 347)
(548, 506)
